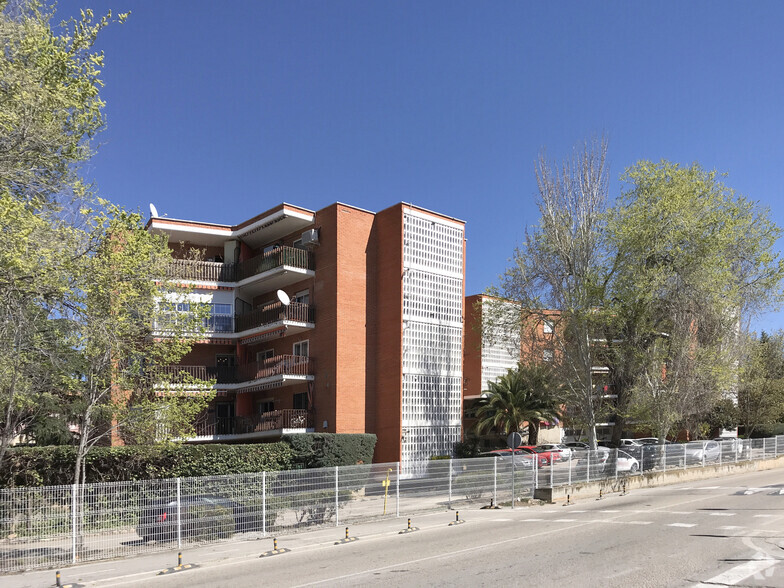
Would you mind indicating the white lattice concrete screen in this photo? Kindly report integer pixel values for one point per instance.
(432, 244)
(432, 349)
(431, 297)
(422, 443)
(430, 400)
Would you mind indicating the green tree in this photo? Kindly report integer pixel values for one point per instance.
(761, 387)
(691, 258)
(527, 394)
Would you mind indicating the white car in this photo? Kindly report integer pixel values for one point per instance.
(698, 451)
(624, 463)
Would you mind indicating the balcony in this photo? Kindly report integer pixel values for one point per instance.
(268, 271)
(273, 372)
(268, 424)
(295, 317)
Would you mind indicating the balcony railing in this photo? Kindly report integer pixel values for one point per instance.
(205, 271)
(296, 311)
(274, 420)
(278, 365)
(212, 271)
(291, 256)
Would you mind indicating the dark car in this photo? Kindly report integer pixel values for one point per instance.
(203, 517)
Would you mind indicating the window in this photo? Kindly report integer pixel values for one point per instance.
(302, 297)
(262, 355)
(547, 355)
(547, 327)
(298, 244)
(301, 348)
(220, 319)
(266, 405)
(301, 401)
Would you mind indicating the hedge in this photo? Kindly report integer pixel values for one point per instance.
(321, 450)
(52, 466)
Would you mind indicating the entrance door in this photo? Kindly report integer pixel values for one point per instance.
(224, 363)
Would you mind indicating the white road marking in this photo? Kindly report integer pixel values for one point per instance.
(640, 522)
(740, 572)
(730, 528)
(533, 520)
(682, 525)
(565, 520)
(722, 514)
(682, 512)
(765, 516)
(609, 511)
(781, 491)
(708, 488)
(754, 490)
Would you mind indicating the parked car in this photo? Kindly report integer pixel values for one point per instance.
(202, 516)
(549, 456)
(522, 458)
(605, 459)
(651, 441)
(577, 445)
(562, 448)
(627, 463)
(697, 451)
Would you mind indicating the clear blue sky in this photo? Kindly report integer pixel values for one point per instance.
(220, 110)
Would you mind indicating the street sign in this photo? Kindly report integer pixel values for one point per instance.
(514, 440)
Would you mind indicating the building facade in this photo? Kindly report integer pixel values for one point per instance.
(339, 320)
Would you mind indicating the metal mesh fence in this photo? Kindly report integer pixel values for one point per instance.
(60, 525)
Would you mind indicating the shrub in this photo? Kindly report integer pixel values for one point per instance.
(52, 466)
(207, 522)
(321, 450)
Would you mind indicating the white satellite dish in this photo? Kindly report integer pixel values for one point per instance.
(284, 298)
(153, 211)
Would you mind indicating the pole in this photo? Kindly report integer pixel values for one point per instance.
(337, 512)
(179, 515)
(74, 494)
(513, 477)
(264, 503)
(450, 483)
(397, 492)
(616, 464)
(570, 468)
(495, 481)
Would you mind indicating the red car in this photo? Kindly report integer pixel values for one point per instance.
(547, 456)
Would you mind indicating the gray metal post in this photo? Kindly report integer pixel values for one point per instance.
(570, 467)
(665, 456)
(616, 464)
(704, 450)
(552, 467)
(588, 466)
(74, 495)
(264, 503)
(397, 491)
(495, 481)
(513, 476)
(337, 511)
(450, 482)
(179, 514)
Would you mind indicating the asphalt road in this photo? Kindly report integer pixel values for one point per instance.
(725, 531)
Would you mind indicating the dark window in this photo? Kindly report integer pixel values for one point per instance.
(301, 401)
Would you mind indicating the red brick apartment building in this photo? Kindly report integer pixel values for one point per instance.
(371, 339)
(488, 355)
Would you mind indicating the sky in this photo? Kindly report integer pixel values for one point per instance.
(218, 111)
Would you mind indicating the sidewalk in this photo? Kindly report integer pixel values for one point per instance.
(132, 570)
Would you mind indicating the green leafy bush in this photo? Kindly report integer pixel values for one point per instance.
(53, 466)
(321, 450)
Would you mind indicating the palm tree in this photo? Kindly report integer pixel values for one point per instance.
(525, 394)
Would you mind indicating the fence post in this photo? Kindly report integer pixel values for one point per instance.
(74, 496)
(450, 482)
(704, 451)
(665, 455)
(513, 476)
(397, 491)
(552, 467)
(616, 464)
(179, 514)
(264, 503)
(495, 481)
(588, 466)
(337, 511)
(570, 468)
